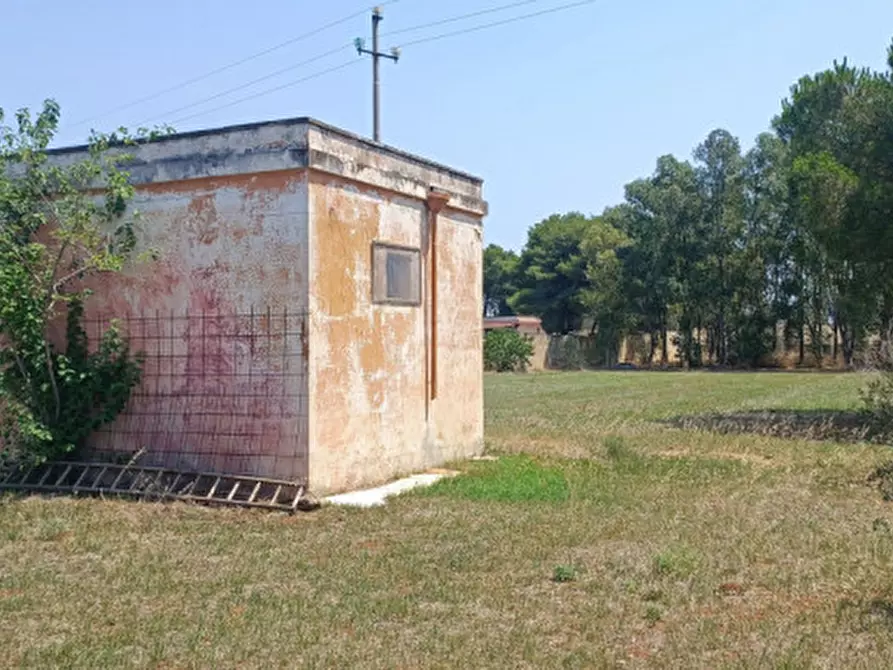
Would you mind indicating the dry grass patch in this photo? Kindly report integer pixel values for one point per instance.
(601, 537)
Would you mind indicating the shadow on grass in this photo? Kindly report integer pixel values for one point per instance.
(718, 369)
(821, 425)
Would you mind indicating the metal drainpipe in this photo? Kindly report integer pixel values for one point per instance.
(436, 201)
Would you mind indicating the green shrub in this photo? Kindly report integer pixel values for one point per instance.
(680, 562)
(54, 400)
(877, 396)
(653, 615)
(507, 350)
(55, 233)
(564, 573)
(877, 400)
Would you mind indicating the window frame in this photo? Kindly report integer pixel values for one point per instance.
(381, 250)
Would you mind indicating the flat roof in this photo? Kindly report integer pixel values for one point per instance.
(293, 121)
(512, 321)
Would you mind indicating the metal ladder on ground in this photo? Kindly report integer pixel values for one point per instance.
(157, 483)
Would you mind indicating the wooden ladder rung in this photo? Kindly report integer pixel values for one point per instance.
(254, 492)
(62, 477)
(12, 473)
(136, 482)
(173, 484)
(97, 480)
(298, 495)
(118, 478)
(83, 474)
(156, 483)
(213, 490)
(46, 475)
(232, 492)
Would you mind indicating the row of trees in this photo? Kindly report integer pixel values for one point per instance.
(719, 249)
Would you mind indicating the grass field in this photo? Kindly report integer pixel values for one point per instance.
(603, 536)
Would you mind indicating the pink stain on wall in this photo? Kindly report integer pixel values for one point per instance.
(224, 385)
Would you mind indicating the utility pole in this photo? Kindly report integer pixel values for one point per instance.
(394, 55)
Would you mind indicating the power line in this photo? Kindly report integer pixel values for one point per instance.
(455, 33)
(454, 19)
(322, 55)
(233, 64)
(241, 87)
(315, 75)
(494, 24)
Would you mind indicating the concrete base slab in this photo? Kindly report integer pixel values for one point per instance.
(378, 496)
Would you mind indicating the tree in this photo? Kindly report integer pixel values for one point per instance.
(823, 189)
(722, 249)
(605, 299)
(868, 113)
(55, 233)
(646, 264)
(719, 174)
(500, 279)
(552, 273)
(665, 223)
(765, 277)
(837, 124)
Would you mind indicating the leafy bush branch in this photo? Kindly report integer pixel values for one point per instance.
(61, 222)
(877, 396)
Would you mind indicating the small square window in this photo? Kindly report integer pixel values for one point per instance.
(396, 275)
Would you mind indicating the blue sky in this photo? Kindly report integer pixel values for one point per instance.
(556, 113)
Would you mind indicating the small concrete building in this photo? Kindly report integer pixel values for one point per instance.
(312, 312)
(526, 325)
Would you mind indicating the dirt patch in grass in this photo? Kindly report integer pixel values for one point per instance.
(821, 425)
(752, 459)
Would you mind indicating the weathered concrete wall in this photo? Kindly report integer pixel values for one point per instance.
(368, 417)
(371, 417)
(457, 412)
(367, 361)
(223, 245)
(221, 315)
(538, 362)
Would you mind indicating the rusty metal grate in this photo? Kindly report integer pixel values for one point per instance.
(221, 392)
(156, 483)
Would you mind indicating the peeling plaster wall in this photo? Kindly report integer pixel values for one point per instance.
(223, 244)
(457, 416)
(367, 371)
(223, 390)
(367, 361)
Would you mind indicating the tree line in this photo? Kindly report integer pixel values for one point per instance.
(718, 249)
